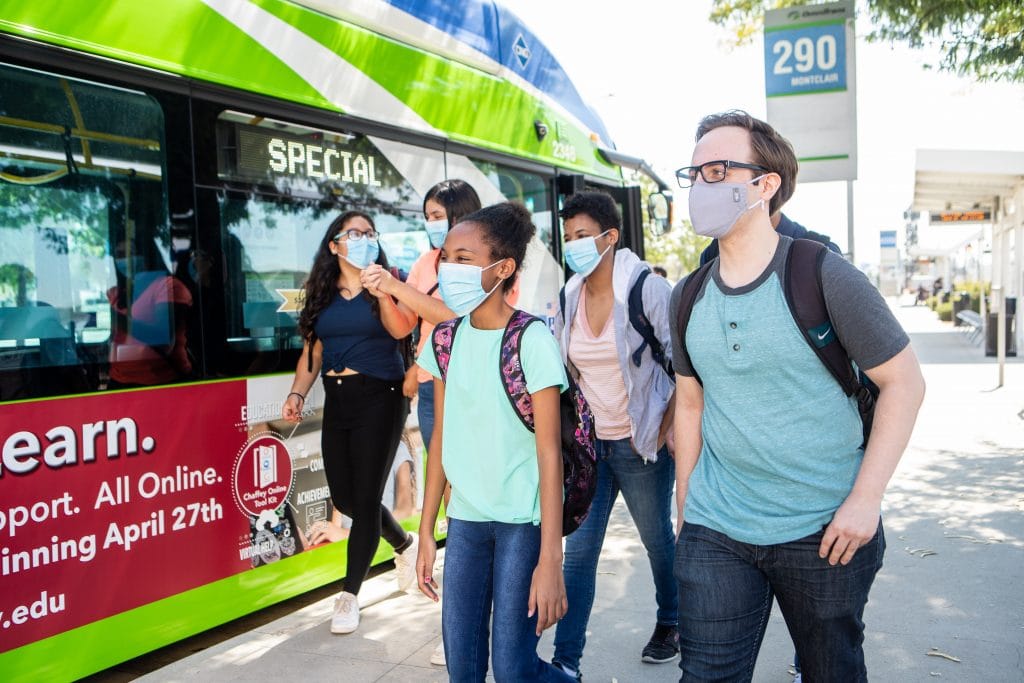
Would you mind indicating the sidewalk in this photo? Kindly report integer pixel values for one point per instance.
(951, 584)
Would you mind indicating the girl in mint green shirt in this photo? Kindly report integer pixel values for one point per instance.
(503, 558)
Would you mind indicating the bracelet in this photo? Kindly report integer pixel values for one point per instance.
(295, 393)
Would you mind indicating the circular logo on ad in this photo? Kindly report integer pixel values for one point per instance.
(263, 474)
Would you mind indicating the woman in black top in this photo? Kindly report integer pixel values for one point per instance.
(352, 339)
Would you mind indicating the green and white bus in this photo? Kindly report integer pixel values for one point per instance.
(166, 171)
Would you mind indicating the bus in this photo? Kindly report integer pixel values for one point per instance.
(166, 171)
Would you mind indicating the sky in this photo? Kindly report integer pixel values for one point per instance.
(654, 70)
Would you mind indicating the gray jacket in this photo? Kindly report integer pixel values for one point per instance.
(648, 387)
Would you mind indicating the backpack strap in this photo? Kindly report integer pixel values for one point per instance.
(513, 378)
(441, 342)
(638, 319)
(687, 298)
(309, 357)
(818, 237)
(419, 318)
(806, 301)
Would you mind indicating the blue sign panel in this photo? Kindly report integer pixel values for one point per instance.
(805, 59)
(887, 238)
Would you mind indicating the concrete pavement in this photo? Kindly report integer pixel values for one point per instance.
(948, 604)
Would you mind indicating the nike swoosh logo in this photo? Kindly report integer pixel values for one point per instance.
(824, 334)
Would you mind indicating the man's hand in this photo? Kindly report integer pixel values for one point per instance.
(853, 525)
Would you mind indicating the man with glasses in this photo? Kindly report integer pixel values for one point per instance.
(779, 497)
(786, 166)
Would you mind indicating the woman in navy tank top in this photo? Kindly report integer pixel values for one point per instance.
(353, 338)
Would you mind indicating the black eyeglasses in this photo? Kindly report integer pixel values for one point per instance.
(354, 235)
(712, 171)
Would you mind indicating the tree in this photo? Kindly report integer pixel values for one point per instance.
(677, 251)
(982, 39)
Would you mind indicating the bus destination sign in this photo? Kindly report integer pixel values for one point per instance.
(262, 152)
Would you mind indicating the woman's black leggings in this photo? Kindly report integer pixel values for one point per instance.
(363, 421)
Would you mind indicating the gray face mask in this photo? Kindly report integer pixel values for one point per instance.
(715, 207)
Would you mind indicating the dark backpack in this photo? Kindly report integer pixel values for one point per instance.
(803, 291)
(415, 334)
(579, 457)
(638, 319)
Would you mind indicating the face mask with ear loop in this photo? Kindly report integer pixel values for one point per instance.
(715, 207)
(461, 286)
(436, 231)
(582, 256)
(362, 252)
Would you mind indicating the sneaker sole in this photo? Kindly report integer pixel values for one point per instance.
(653, 660)
(343, 630)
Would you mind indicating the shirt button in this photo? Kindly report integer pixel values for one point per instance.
(732, 325)
(735, 347)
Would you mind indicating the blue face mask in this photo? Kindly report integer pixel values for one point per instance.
(362, 252)
(136, 263)
(461, 286)
(436, 231)
(581, 255)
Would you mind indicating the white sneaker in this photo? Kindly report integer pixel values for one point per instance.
(346, 614)
(437, 656)
(405, 566)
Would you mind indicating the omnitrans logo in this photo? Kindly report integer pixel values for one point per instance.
(521, 51)
(812, 12)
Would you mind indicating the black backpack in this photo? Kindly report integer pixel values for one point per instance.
(803, 291)
(638, 319)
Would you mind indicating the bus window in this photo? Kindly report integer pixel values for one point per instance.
(281, 184)
(532, 189)
(84, 242)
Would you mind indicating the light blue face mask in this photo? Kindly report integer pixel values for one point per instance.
(362, 252)
(581, 255)
(436, 231)
(136, 263)
(461, 286)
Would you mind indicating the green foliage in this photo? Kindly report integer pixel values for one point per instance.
(15, 281)
(981, 39)
(974, 288)
(945, 311)
(677, 251)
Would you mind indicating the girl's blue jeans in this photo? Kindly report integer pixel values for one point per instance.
(488, 569)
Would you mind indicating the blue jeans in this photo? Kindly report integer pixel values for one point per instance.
(425, 411)
(647, 489)
(478, 557)
(728, 588)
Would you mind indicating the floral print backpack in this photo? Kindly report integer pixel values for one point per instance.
(579, 458)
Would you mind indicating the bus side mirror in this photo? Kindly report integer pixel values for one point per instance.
(659, 208)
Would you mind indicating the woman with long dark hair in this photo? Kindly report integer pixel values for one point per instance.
(352, 338)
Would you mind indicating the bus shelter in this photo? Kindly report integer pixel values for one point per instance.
(982, 187)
